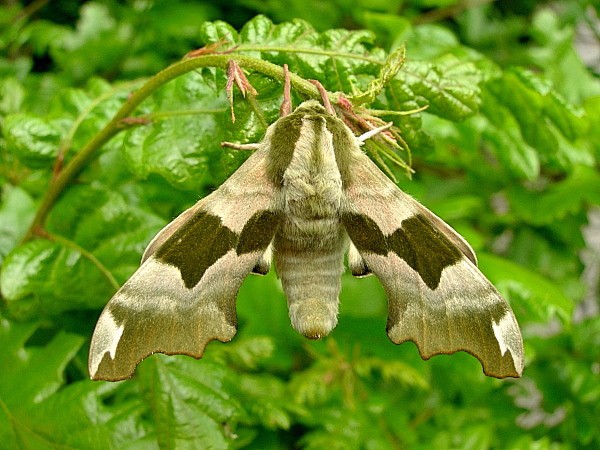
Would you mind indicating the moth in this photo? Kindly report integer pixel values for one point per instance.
(304, 200)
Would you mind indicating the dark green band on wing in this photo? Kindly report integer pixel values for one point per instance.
(425, 250)
(417, 242)
(196, 246)
(203, 239)
(365, 234)
(258, 232)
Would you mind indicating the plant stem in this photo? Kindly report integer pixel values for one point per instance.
(447, 12)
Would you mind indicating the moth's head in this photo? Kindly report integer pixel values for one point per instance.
(310, 107)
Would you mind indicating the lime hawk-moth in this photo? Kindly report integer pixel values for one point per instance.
(305, 199)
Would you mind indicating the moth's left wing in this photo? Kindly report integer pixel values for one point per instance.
(437, 296)
(184, 293)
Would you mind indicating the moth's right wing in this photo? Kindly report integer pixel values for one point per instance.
(184, 293)
(437, 297)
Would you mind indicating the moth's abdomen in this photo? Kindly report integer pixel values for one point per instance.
(310, 265)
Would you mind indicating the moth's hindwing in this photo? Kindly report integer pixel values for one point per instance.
(184, 293)
(437, 296)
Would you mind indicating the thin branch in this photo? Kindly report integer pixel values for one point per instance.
(67, 141)
(29, 10)
(389, 112)
(439, 14)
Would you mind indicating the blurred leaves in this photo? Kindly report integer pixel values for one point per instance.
(506, 151)
(548, 130)
(557, 201)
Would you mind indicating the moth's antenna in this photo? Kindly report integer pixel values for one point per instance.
(324, 96)
(369, 134)
(286, 105)
(243, 147)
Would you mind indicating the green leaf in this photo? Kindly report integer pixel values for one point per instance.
(431, 41)
(86, 111)
(341, 430)
(191, 403)
(449, 86)
(29, 376)
(39, 411)
(342, 60)
(42, 35)
(246, 354)
(16, 209)
(562, 61)
(97, 33)
(267, 400)
(262, 311)
(592, 107)
(337, 58)
(83, 415)
(503, 134)
(11, 95)
(529, 115)
(33, 140)
(93, 229)
(42, 278)
(106, 223)
(183, 146)
(394, 372)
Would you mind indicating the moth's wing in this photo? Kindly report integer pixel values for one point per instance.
(184, 293)
(437, 296)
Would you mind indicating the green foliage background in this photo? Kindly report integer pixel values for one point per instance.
(507, 152)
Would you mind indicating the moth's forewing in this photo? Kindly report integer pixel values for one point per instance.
(436, 295)
(184, 293)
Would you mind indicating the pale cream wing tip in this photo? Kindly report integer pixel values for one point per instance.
(162, 316)
(106, 365)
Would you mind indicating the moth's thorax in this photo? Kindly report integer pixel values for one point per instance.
(312, 184)
(318, 142)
